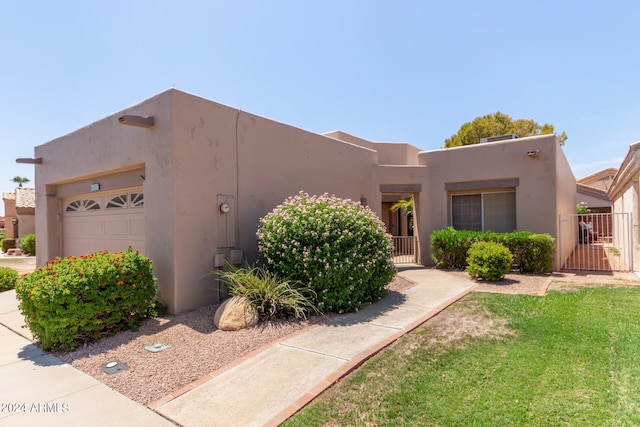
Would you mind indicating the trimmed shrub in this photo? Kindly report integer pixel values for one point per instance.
(8, 278)
(489, 261)
(8, 243)
(28, 244)
(336, 247)
(537, 257)
(269, 295)
(450, 247)
(71, 301)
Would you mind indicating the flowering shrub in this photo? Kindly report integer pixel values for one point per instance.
(74, 300)
(336, 247)
(8, 277)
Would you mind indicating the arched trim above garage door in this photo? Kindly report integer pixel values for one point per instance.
(111, 220)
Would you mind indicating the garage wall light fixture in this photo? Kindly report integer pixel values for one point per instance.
(139, 121)
(36, 161)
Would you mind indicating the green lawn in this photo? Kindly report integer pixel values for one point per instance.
(570, 359)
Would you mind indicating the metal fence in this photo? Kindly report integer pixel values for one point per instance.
(598, 242)
(405, 249)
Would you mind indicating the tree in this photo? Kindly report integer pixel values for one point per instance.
(495, 125)
(406, 206)
(20, 180)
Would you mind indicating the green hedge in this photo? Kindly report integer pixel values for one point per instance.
(450, 247)
(532, 253)
(71, 301)
(8, 243)
(28, 244)
(8, 278)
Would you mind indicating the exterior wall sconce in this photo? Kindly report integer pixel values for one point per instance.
(139, 121)
(224, 207)
(533, 153)
(14, 221)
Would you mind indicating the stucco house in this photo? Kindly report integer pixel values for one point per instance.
(592, 190)
(19, 212)
(185, 180)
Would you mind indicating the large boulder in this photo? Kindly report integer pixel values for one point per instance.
(235, 313)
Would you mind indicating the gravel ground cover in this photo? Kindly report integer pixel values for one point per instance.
(198, 348)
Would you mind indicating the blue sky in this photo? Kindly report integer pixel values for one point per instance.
(405, 71)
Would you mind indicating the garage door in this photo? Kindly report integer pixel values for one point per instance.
(100, 221)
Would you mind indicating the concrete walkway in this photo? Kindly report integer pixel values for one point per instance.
(263, 389)
(269, 387)
(37, 389)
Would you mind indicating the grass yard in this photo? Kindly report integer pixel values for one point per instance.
(569, 358)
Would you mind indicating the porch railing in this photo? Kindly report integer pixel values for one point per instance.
(405, 249)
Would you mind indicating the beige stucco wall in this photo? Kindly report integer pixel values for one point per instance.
(98, 152)
(26, 225)
(566, 200)
(625, 195)
(546, 186)
(253, 164)
(389, 153)
(9, 215)
(627, 201)
(199, 154)
(592, 201)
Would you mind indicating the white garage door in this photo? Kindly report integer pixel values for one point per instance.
(112, 221)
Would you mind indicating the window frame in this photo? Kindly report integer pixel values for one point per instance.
(482, 193)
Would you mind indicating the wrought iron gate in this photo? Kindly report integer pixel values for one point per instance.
(598, 242)
(405, 249)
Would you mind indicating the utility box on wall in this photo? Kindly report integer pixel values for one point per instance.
(236, 256)
(218, 260)
(226, 221)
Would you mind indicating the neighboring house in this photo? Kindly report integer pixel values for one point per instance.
(624, 193)
(596, 199)
(184, 179)
(593, 189)
(19, 212)
(601, 179)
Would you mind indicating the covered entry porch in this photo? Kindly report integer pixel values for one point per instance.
(398, 215)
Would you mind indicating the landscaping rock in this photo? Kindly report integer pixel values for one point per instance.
(235, 313)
